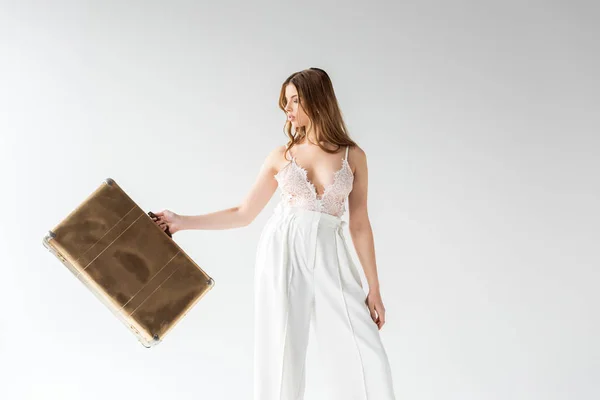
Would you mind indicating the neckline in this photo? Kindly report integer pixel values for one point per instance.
(326, 187)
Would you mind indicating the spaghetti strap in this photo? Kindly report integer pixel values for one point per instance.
(347, 147)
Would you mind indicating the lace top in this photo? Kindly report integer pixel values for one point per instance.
(298, 191)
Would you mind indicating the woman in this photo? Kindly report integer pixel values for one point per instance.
(304, 273)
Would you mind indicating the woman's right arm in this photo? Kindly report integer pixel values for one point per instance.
(242, 215)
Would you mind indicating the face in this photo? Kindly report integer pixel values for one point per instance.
(295, 113)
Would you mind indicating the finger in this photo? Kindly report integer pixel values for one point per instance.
(371, 309)
(381, 312)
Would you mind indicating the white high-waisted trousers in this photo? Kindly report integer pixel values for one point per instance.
(304, 275)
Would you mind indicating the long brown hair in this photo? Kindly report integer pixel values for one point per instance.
(318, 100)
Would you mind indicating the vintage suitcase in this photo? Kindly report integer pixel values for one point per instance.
(134, 267)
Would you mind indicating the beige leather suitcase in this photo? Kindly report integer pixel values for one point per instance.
(134, 267)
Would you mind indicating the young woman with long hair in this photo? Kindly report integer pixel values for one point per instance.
(304, 272)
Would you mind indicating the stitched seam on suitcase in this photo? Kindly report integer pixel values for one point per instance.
(115, 239)
(157, 274)
(158, 287)
(107, 232)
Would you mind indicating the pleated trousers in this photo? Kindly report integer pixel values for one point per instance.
(305, 276)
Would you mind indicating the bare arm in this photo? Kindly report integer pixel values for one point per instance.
(362, 234)
(243, 214)
(359, 224)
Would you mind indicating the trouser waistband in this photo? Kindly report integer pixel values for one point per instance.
(327, 219)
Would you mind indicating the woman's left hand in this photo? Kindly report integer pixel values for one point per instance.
(376, 307)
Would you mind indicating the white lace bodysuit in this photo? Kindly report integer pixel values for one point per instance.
(298, 191)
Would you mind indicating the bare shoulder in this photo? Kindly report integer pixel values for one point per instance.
(276, 152)
(276, 158)
(357, 158)
(280, 150)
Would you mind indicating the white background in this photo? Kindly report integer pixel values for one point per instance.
(480, 122)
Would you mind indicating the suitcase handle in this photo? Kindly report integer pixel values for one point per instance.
(154, 217)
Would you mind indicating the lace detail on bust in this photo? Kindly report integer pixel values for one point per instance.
(298, 191)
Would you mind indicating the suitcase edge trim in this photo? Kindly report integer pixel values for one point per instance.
(145, 341)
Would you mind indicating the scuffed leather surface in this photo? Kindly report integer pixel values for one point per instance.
(130, 260)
